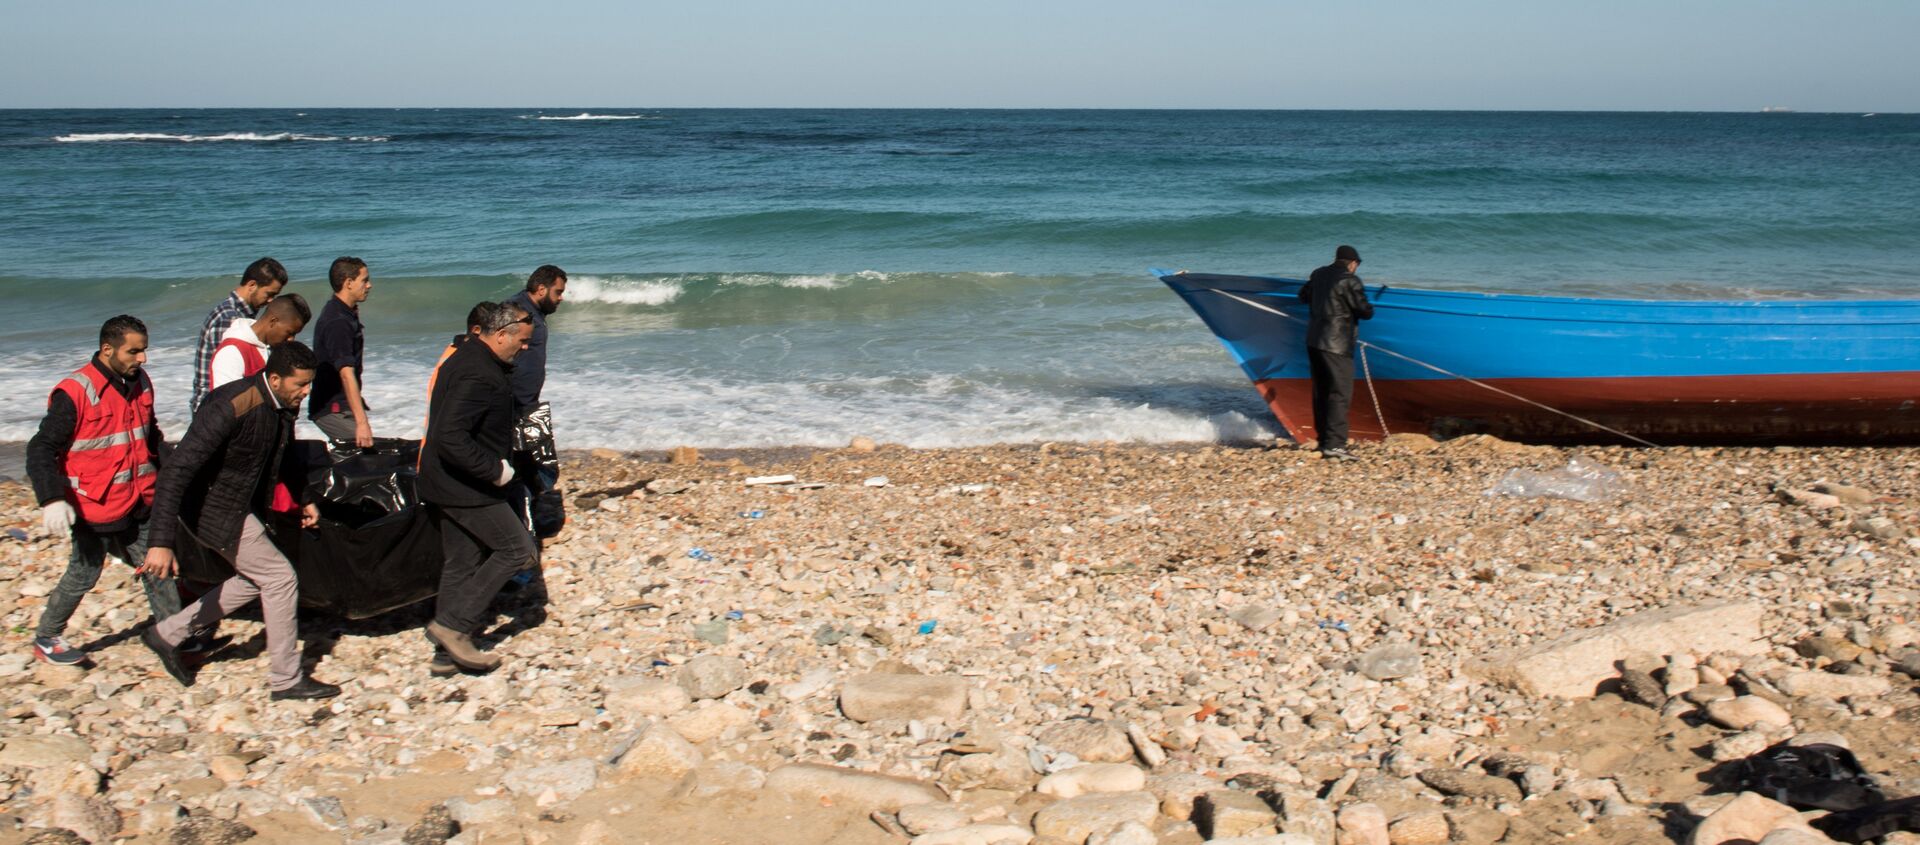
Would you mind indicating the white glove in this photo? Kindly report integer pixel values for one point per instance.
(57, 519)
(506, 473)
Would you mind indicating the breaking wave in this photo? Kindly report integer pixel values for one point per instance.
(251, 137)
(591, 116)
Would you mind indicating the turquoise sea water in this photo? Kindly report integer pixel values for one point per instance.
(773, 277)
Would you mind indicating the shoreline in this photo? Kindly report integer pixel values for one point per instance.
(1227, 606)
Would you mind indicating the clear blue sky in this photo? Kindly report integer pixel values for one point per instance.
(1833, 55)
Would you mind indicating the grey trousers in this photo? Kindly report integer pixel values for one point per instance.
(483, 546)
(264, 573)
(336, 426)
(89, 554)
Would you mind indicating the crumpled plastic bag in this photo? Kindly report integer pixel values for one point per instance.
(1580, 480)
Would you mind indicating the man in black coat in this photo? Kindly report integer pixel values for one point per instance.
(465, 466)
(217, 481)
(1338, 303)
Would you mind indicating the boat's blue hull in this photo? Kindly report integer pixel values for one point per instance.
(1667, 371)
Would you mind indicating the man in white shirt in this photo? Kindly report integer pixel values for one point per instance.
(244, 350)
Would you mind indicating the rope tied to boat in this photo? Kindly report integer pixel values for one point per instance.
(1364, 345)
(1367, 368)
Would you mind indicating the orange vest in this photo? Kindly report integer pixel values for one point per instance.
(431, 378)
(108, 467)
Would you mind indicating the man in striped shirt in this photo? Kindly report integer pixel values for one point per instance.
(260, 283)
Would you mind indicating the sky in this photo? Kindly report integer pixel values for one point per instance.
(1713, 55)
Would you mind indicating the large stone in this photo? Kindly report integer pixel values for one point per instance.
(207, 830)
(1225, 813)
(921, 819)
(1075, 819)
(1829, 685)
(1090, 740)
(1266, 839)
(865, 698)
(485, 811)
(1799, 837)
(710, 720)
(646, 698)
(659, 752)
(1747, 818)
(88, 815)
(1093, 777)
(1007, 768)
(1129, 833)
(1304, 814)
(1427, 827)
(712, 676)
(156, 773)
(862, 790)
(1574, 665)
(720, 777)
(1362, 824)
(1471, 784)
(568, 780)
(1747, 711)
(34, 752)
(978, 834)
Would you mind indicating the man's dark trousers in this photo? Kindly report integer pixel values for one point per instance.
(483, 547)
(1332, 395)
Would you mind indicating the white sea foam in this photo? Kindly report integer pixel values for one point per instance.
(824, 281)
(252, 137)
(618, 291)
(659, 404)
(589, 116)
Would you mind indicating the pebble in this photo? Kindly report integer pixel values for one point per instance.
(1076, 819)
(711, 676)
(1092, 777)
(1748, 711)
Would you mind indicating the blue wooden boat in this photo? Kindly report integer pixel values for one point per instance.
(1565, 370)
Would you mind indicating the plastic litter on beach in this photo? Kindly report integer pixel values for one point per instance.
(1336, 624)
(760, 480)
(735, 615)
(876, 481)
(17, 534)
(1580, 480)
(699, 554)
(928, 626)
(752, 514)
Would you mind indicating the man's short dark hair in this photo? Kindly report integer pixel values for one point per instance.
(264, 272)
(343, 270)
(480, 313)
(114, 332)
(544, 276)
(289, 307)
(289, 356)
(504, 316)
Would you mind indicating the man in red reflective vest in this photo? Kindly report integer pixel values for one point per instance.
(93, 464)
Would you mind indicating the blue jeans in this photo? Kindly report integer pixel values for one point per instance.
(89, 554)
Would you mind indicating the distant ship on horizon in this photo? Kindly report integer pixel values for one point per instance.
(1775, 110)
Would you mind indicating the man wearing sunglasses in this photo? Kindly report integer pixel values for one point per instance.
(1338, 303)
(465, 467)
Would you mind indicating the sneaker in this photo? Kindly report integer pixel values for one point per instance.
(307, 689)
(55, 650)
(1337, 454)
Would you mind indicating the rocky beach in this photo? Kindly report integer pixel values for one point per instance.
(1088, 644)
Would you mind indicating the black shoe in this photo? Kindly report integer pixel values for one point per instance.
(1337, 454)
(307, 690)
(204, 644)
(169, 656)
(442, 665)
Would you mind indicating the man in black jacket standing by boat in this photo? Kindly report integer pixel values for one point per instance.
(465, 467)
(1338, 303)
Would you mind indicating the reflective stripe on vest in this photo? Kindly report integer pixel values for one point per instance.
(119, 438)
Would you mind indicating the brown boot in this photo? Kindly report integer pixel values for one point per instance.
(459, 646)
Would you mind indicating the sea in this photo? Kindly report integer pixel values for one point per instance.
(761, 278)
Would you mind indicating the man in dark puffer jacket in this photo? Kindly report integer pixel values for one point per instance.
(217, 479)
(464, 471)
